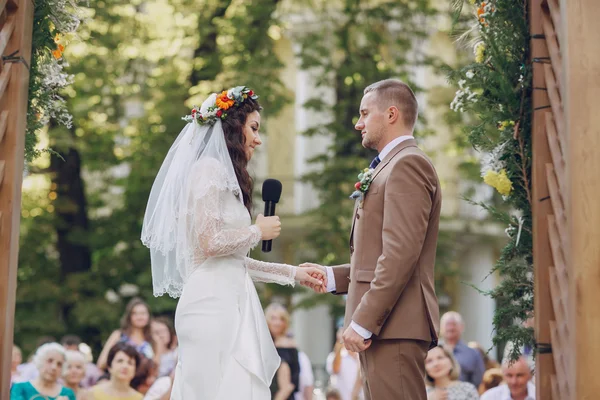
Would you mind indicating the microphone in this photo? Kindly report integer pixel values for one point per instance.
(271, 192)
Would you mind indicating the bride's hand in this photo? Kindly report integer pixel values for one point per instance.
(312, 277)
(269, 226)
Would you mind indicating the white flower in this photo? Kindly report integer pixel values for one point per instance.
(470, 74)
(211, 101)
(461, 83)
(230, 94)
(128, 290)
(111, 296)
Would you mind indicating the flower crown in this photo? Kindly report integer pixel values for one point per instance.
(216, 106)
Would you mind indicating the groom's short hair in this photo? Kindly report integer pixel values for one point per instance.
(394, 92)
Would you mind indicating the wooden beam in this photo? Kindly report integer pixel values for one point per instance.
(3, 123)
(556, 152)
(6, 32)
(2, 164)
(554, 9)
(554, 97)
(12, 151)
(582, 120)
(541, 208)
(552, 43)
(557, 206)
(5, 78)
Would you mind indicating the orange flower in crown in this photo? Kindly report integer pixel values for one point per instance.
(224, 102)
(216, 105)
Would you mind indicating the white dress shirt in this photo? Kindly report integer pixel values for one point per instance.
(502, 392)
(306, 375)
(365, 333)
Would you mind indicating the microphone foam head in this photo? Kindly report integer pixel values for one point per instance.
(271, 190)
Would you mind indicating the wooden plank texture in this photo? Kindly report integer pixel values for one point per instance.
(541, 208)
(556, 152)
(557, 205)
(582, 119)
(553, 49)
(11, 151)
(5, 77)
(6, 32)
(3, 123)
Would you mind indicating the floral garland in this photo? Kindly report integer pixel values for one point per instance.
(496, 89)
(55, 23)
(216, 106)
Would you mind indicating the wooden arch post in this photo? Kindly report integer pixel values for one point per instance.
(582, 119)
(16, 19)
(566, 188)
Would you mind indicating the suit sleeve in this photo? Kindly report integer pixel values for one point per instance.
(408, 199)
(341, 274)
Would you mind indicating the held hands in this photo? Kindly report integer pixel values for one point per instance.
(315, 269)
(312, 277)
(269, 226)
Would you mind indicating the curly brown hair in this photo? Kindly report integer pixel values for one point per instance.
(233, 128)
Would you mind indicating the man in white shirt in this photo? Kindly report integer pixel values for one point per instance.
(518, 385)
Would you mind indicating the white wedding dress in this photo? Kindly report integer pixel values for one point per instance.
(225, 349)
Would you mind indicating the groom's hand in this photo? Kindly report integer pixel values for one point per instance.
(317, 288)
(354, 342)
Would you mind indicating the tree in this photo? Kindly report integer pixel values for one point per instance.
(351, 45)
(83, 204)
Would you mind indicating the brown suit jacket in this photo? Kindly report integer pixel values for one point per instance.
(389, 280)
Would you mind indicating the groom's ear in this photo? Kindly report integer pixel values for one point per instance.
(393, 114)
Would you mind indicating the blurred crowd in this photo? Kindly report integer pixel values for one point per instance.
(138, 361)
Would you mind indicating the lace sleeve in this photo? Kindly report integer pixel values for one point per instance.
(209, 192)
(262, 271)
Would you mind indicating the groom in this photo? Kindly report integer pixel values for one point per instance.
(391, 311)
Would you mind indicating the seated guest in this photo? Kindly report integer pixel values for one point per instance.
(49, 360)
(518, 385)
(491, 378)
(135, 331)
(17, 359)
(74, 372)
(442, 372)
(165, 345)
(122, 360)
(470, 361)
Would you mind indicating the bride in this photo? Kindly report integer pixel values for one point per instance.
(198, 229)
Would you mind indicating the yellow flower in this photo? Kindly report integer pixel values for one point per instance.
(224, 102)
(505, 124)
(57, 38)
(480, 53)
(498, 181)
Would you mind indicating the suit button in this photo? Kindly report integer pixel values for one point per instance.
(351, 249)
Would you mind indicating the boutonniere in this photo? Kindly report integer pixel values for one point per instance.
(362, 186)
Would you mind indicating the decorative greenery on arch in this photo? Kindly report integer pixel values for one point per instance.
(496, 89)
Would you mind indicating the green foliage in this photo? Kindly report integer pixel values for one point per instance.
(52, 20)
(350, 46)
(496, 88)
(131, 83)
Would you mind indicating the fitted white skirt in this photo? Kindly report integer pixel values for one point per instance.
(225, 348)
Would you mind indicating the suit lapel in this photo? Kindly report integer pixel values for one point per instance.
(401, 146)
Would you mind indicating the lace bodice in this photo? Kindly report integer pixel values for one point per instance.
(221, 226)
